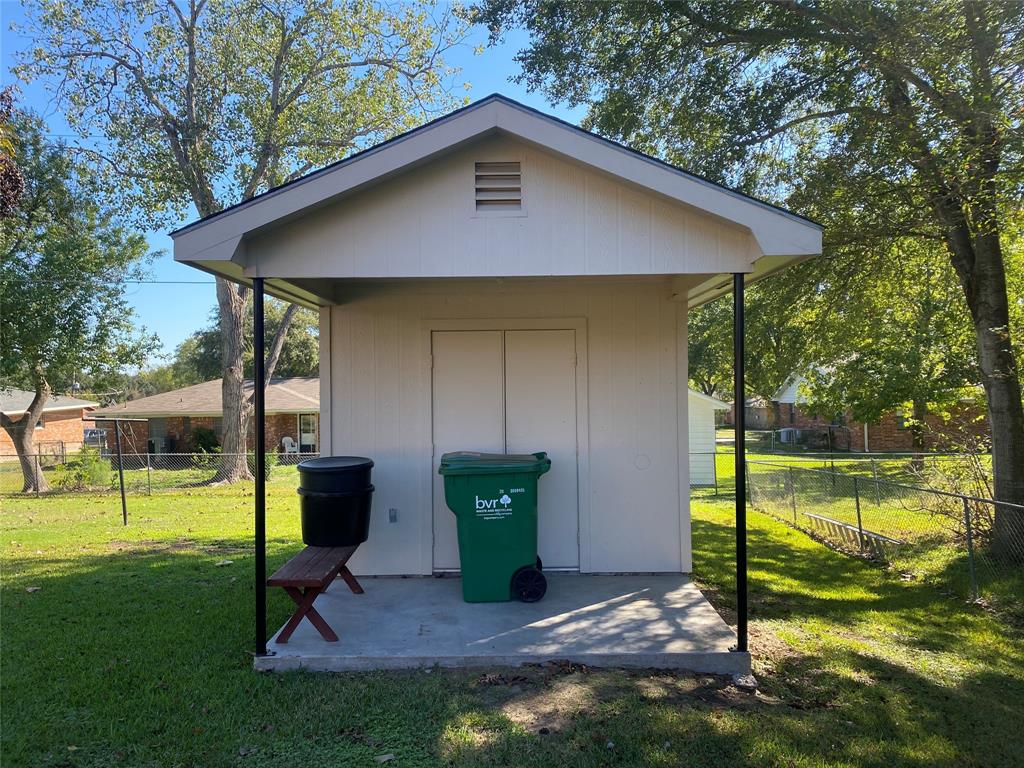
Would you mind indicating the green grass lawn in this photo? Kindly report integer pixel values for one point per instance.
(134, 651)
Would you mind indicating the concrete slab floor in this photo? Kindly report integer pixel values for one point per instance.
(658, 621)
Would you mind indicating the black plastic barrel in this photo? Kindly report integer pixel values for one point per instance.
(336, 493)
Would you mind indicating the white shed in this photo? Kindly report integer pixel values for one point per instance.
(499, 280)
(701, 421)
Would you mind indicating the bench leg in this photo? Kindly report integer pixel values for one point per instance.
(354, 585)
(304, 602)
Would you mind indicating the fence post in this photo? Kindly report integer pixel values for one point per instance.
(874, 475)
(714, 469)
(860, 524)
(970, 549)
(149, 475)
(792, 493)
(120, 472)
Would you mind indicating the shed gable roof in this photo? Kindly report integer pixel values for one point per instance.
(216, 243)
(715, 403)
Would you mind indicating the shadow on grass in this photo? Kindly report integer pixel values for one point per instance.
(886, 717)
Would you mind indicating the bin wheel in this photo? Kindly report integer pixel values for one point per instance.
(540, 564)
(529, 584)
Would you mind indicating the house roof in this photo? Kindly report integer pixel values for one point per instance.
(789, 392)
(290, 395)
(217, 243)
(15, 401)
(719, 405)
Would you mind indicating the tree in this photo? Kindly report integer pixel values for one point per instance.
(206, 103)
(905, 343)
(911, 111)
(779, 313)
(62, 277)
(709, 347)
(300, 352)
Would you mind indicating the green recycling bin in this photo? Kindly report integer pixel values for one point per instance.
(494, 498)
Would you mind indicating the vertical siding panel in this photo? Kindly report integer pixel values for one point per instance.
(601, 225)
(634, 257)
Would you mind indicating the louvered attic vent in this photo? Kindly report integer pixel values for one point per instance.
(499, 187)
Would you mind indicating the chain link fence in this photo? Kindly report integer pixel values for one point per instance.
(94, 471)
(974, 546)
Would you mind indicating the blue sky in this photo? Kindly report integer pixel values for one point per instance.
(181, 302)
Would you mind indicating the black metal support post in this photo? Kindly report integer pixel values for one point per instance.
(120, 472)
(260, 468)
(741, 462)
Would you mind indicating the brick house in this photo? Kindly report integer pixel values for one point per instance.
(890, 434)
(173, 418)
(60, 430)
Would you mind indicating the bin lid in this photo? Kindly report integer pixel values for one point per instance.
(335, 464)
(474, 463)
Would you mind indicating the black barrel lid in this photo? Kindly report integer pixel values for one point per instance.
(335, 464)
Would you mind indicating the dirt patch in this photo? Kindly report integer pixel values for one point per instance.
(171, 546)
(550, 698)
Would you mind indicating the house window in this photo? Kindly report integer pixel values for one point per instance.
(901, 420)
(498, 187)
(792, 413)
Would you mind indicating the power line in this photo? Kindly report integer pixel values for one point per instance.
(170, 282)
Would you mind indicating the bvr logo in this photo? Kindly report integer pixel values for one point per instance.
(505, 500)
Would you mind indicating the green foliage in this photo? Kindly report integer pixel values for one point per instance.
(64, 264)
(709, 345)
(89, 469)
(270, 457)
(906, 343)
(198, 357)
(780, 316)
(204, 440)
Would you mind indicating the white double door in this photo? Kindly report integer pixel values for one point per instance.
(510, 392)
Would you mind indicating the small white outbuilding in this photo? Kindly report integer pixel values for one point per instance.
(701, 428)
(499, 280)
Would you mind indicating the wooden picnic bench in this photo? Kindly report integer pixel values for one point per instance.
(307, 575)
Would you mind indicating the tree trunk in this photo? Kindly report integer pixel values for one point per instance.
(1006, 417)
(989, 305)
(22, 433)
(232, 300)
